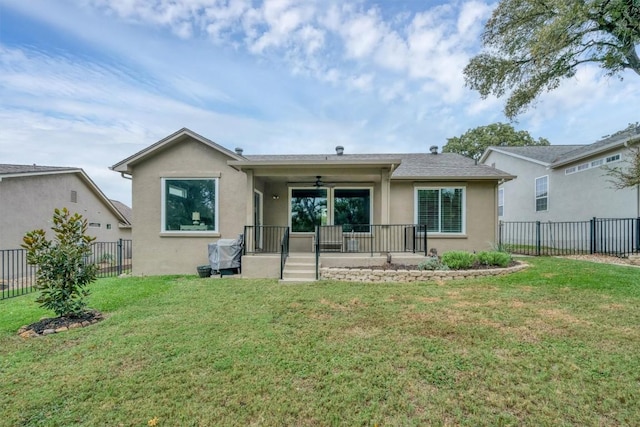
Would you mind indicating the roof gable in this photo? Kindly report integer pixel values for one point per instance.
(124, 166)
(21, 171)
(555, 156)
(541, 154)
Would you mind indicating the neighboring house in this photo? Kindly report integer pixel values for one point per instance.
(565, 182)
(30, 193)
(190, 191)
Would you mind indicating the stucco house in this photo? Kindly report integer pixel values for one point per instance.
(565, 182)
(30, 193)
(190, 191)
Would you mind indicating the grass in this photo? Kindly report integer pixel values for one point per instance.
(557, 344)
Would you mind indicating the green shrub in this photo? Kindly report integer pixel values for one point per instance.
(459, 260)
(494, 258)
(62, 269)
(431, 263)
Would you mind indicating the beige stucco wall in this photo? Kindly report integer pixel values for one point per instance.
(480, 214)
(155, 252)
(27, 203)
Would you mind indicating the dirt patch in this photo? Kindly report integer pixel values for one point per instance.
(601, 259)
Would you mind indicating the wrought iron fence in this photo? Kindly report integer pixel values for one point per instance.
(266, 239)
(371, 238)
(284, 251)
(18, 278)
(609, 236)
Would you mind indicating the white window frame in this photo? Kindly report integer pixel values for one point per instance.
(535, 193)
(500, 202)
(330, 204)
(613, 158)
(163, 204)
(463, 230)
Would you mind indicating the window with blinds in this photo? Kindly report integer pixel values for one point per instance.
(440, 209)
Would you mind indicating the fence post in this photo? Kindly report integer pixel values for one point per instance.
(538, 238)
(500, 224)
(593, 235)
(426, 250)
(120, 257)
(638, 234)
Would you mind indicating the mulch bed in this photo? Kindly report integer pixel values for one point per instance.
(52, 325)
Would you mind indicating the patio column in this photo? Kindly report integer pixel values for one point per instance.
(385, 187)
(249, 197)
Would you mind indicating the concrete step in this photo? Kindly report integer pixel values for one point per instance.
(299, 274)
(297, 266)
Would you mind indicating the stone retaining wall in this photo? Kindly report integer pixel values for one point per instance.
(372, 275)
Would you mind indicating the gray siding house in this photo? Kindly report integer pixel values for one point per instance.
(30, 193)
(564, 182)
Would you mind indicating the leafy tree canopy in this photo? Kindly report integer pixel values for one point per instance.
(473, 142)
(531, 45)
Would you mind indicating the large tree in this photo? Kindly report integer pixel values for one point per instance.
(473, 142)
(531, 45)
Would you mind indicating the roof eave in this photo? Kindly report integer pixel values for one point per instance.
(454, 178)
(252, 164)
(507, 153)
(621, 143)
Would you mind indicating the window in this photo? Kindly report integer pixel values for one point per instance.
(349, 207)
(108, 226)
(583, 166)
(308, 209)
(353, 207)
(94, 225)
(501, 202)
(570, 170)
(596, 163)
(440, 209)
(189, 204)
(74, 196)
(614, 158)
(542, 193)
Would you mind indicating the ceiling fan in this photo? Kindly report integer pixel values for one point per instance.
(317, 183)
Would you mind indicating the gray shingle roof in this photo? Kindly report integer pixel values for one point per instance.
(125, 210)
(543, 153)
(26, 169)
(559, 155)
(413, 165)
(599, 146)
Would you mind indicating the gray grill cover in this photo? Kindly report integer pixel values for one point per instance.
(225, 253)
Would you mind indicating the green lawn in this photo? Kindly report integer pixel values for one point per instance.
(557, 344)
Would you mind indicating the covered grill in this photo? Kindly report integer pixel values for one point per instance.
(225, 255)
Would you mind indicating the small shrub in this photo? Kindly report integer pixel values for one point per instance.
(107, 258)
(431, 263)
(63, 271)
(459, 260)
(494, 258)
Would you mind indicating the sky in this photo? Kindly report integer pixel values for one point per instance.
(88, 83)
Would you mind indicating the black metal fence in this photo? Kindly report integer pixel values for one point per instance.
(18, 278)
(266, 239)
(608, 236)
(371, 238)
